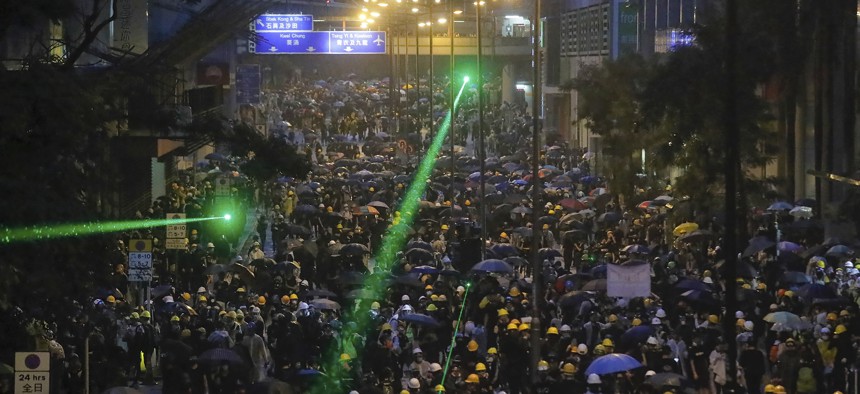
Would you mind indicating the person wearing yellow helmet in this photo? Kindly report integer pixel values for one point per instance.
(473, 379)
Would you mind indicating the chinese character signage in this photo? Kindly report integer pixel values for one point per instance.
(281, 22)
(322, 42)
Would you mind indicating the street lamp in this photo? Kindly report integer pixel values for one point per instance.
(482, 153)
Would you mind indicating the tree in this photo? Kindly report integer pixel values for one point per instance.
(266, 158)
(611, 100)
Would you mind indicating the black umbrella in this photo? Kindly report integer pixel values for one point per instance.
(321, 293)
(354, 249)
(419, 256)
(420, 319)
(549, 253)
(609, 217)
(668, 379)
(516, 261)
(219, 356)
(161, 291)
(524, 231)
(419, 245)
(504, 250)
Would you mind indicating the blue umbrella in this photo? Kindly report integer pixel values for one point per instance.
(420, 319)
(795, 278)
(504, 250)
(598, 271)
(588, 179)
(788, 246)
(757, 244)
(612, 363)
(425, 269)
(419, 245)
(309, 372)
(635, 336)
(219, 356)
(640, 249)
(692, 284)
(493, 265)
(780, 206)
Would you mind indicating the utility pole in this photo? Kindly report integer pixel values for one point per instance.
(482, 153)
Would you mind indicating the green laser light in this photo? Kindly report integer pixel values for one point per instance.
(466, 79)
(228, 216)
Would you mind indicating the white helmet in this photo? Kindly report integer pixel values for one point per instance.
(661, 313)
(652, 341)
(594, 379)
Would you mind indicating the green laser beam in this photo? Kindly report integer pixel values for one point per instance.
(454, 337)
(38, 233)
(396, 235)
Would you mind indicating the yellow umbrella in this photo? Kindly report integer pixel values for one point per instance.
(685, 228)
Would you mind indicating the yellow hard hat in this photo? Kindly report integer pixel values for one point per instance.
(769, 388)
(480, 367)
(345, 357)
(515, 321)
(285, 299)
(514, 292)
(512, 326)
(467, 203)
(231, 314)
(523, 326)
(840, 329)
(779, 389)
(241, 290)
(261, 300)
(340, 226)
(546, 227)
(174, 318)
(492, 350)
(434, 297)
(329, 209)
(552, 330)
(761, 286)
(439, 388)
(473, 378)
(607, 343)
(472, 346)
(636, 322)
(186, 296)
(713, 319)
(503, 312)
(371, 189)
(613, 318)
(740, 322)
(542, 364)
(789, 293)
(503, 235)
(432, 308)
(557, 207)
(428, 287)
(832, 316)
(201, 298)
(444, 227)
(844, 313)
(821, 264)
(568, 368)
(135, 316)
(551, 212)
(145, 315)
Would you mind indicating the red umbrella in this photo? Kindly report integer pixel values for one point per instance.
(572, 204)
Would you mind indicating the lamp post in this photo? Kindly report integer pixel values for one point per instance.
(453, 123)
(482, 153)
(537, 269)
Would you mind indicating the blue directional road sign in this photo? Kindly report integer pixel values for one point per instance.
(248, 83)
(283, 22)
(320, 42)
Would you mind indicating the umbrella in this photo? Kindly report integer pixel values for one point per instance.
(685, 228)
(668, 379)
(244, 273)
(811, 291)
(692, 284)
(365, 211)
(295, 229)
(548, 253)
(419, 245)
(572, 204)
(523, 231)
(595, 285)
(640, 249)
(420, 319)
(697, 236)
(216, 156)
(417, 256)
(780, 206)
(788, 246)
(354, 249)
(504, 250)
(839, 251)
(609, 217)
(635, 336)
(757, 244)
(378, 204)
(801, 212)
(424, 269)
(793, 326)
(262, 263)
(612, 363)
(180, 308)
(806, 202)
(598, 271)
(795, 278)
(781, 317)
(161, 291)
(219, 356)
(321, 293)
(493, 265)
(324, 303)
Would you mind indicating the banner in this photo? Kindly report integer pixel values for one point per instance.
(628, 281)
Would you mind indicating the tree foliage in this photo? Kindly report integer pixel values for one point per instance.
(266, 157)
(674, 108)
